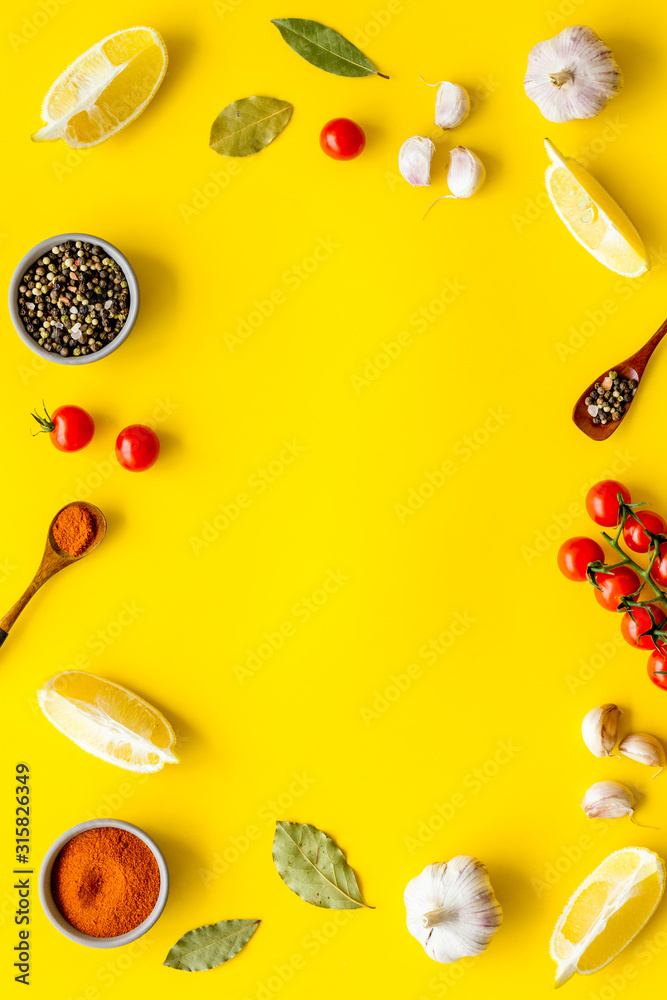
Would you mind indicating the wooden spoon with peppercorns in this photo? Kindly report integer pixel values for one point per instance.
(75, 531)
(631, 370)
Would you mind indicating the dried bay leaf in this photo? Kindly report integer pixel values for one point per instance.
(325, 48)
(209, 946)
(314, 867)
(248, 125)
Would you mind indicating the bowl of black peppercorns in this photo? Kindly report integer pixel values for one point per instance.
(73, 299)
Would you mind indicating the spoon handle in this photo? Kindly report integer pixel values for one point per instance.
(645, 352)
(11, 616)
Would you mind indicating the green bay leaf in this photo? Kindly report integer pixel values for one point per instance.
(206, 947)
(246, 126)
(314, 867)
(324, 47)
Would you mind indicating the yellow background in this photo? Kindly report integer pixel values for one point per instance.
(539, 653)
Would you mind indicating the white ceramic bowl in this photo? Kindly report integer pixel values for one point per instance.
(54, 914)
(44, 248)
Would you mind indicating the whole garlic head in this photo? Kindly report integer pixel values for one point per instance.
(572, 75)
(608, 800)
(599, 728)
(452, 909)
(414, 160)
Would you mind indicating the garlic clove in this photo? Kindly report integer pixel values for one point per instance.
(599, 728)
(466, 172)
(414, 160)
(451, 909)
(645, 749)
(572, 75)
(608, 800)
(452, 104)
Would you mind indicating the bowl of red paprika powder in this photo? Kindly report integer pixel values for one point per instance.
(103, 883)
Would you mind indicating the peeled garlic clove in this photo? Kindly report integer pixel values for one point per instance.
(452, 105)
(414, 160)
(599, 729)
(608, 800)
(645, 749)
(452, 909)
(572, 75)
(466, 172)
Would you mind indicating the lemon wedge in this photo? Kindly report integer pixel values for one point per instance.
(105, 89)
(593, 217)
(606, 912)
(108, 721)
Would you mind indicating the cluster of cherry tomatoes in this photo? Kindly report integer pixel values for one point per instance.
(582, 558)
(71, 428)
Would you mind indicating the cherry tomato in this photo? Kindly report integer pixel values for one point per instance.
(632, 631)
(137, 447)
(659, 568)
(657, 669)
(70, 428)
(575, 554)
(634, 535)
(342, 139)
(601, 502)
(621, 583)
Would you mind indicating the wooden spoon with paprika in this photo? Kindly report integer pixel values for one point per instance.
(75, 531)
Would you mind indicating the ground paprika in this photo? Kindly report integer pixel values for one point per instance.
(74, 529)
(105, 881)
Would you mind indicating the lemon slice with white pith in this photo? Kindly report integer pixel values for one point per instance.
(595, 220)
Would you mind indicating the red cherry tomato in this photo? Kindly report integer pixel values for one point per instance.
(70, 428)
(137, 447)
(342, 139)
(632, 630)
(574, 556)
(634, 535)
(657, 669)
(601, 502)
(621, 583)
(659, 568)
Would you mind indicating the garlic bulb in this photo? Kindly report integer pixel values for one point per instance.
(414, 160)
(572, 75)
(608, 800)
(452, 909)
(599, 729)
(452, 104)
(645, 749)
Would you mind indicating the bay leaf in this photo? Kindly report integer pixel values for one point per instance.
(206, 947)
(248, 125)
(313, 866)
(325, 48)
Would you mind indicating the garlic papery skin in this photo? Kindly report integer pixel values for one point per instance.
(572, 75)
(452, 105)
(599, 728)
(414, 160)
(645, 749)
(608, 800)
(452, 910)
(466, 173)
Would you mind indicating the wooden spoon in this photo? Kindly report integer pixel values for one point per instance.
(632, 368)
(53, 560)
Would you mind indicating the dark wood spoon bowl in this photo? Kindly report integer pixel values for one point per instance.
(633, 367)
(53, 560)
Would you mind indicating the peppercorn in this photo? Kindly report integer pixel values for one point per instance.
(605, 404)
